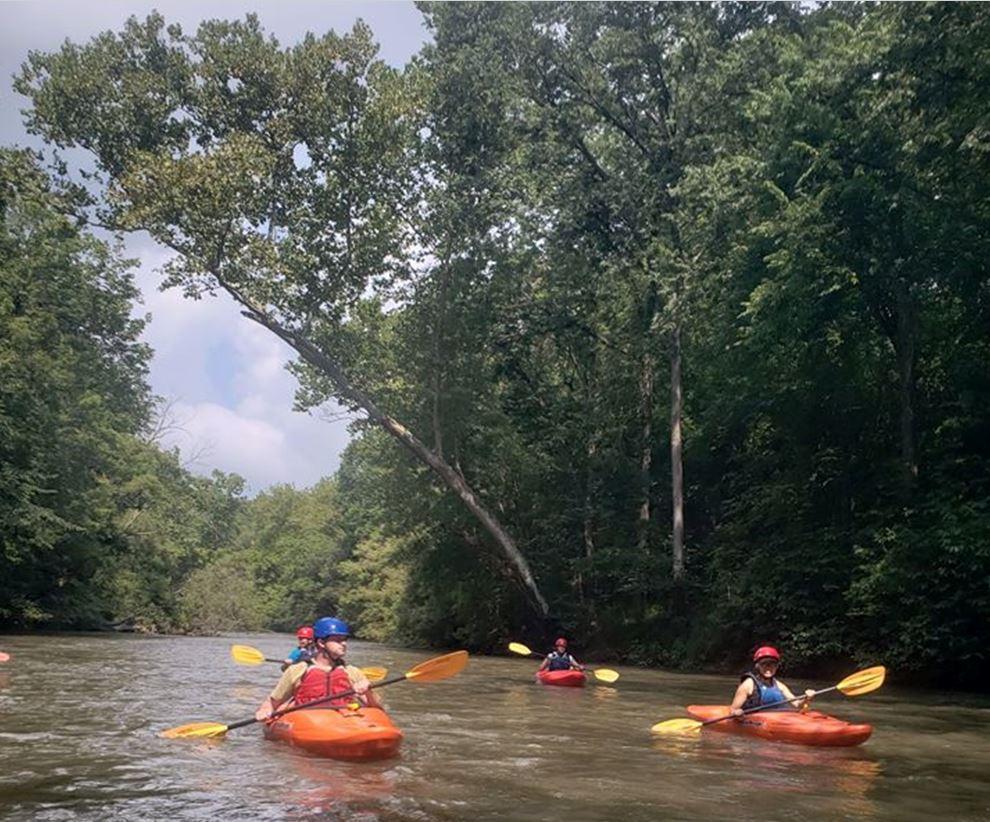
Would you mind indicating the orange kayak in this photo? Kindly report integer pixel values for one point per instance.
(571, 678)
(366, 733)
(811, 728)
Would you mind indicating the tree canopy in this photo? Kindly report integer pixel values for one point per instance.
(679, 312)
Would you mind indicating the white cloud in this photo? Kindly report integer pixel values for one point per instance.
(231, 395)
(216, 436)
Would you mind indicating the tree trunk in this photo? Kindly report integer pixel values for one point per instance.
(588, 523)
(905, 350)
(452, 478)
(439, 322)
(437, 427)
(676, 451)
(646, 366)
(646, 445)
(589, 503)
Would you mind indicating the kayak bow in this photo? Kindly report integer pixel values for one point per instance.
(570, 679)
(363, 734)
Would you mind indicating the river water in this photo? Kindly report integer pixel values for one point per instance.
(79, 716)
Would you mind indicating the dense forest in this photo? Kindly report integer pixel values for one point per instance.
(666, 324)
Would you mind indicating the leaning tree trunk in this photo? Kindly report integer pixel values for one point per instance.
(676, 451)
(451, 477)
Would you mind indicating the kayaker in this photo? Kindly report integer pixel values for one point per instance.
(761, 686)
(324, 674)
(559, 659)
(304, 636)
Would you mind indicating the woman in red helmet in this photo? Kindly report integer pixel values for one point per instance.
(761, 686)
(559, 660)
(304, 636)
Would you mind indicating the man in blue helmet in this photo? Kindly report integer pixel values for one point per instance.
(323, 675)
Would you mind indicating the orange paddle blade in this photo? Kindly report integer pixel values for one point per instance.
(862, 682)
(195, 729)
(676, 726)
(375, 674)
(440, 667)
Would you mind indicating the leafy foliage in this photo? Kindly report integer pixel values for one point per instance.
(72, 371)
(509, 245)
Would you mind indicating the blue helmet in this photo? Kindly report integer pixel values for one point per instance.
(330, 626)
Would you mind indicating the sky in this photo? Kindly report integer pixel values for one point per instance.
(224, 377)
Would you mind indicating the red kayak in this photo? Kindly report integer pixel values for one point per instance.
(568, 679)
(811, 728)
(366, 733)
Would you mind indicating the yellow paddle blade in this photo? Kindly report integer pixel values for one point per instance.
(606, 674)
(375, 674)
(440, 667)
(519, 648)
(862, 682)
(195, 729)
(676, 726)
(246, 655)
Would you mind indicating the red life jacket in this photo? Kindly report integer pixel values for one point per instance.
(317, 683)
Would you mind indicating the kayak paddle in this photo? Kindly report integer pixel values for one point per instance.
(602, 674)
(857, 684)
(433, 670)
(246, 655)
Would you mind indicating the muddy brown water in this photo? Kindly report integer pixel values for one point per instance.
(79, 716)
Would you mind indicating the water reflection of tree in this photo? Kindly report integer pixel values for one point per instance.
(837, 780)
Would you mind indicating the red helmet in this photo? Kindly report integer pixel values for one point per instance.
(766, 651)
(560, 641)
(305, 632)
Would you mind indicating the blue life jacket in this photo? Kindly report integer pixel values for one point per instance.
(560, 662)
(764, 694)
(300, 655)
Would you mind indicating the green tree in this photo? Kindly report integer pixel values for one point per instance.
(72, 371)
(295, 544)
(278, 175)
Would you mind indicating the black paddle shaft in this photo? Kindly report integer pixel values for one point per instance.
(768, 705)
(310, 704)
